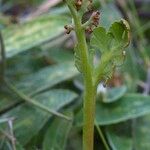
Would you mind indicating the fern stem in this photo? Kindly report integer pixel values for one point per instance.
(89, 92)
(90, 89)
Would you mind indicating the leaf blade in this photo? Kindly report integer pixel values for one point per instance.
(128, 107)
(56, 135)
(30, 120)
(46, 78)
(18, 38)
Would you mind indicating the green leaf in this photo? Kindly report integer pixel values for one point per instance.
(100, 39)
(128, 107)
(60, 55)
(118, 140)
(142, 133)
(46, 78)
(111, 45)
(121, 136)
(57, 133)
(116, 39)
(114, 94)
(30, 61)
(30, 120)
(77, 58)
(18, 38)
(121, 36)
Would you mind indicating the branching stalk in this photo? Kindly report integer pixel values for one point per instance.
(90, 89)
(84, 59)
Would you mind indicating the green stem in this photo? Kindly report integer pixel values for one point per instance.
(88, 117)
(102, 136)
(90, 88)
(3, 59)
(89, 92)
